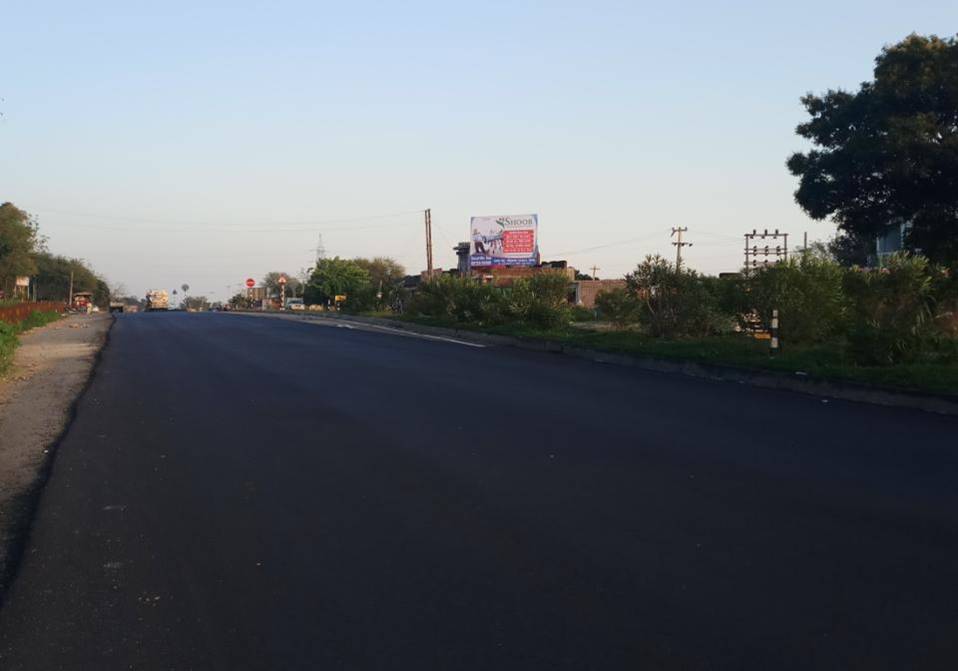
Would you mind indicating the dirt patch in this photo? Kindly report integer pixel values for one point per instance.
(50, 369)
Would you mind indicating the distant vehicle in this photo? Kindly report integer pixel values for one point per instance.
(117, 306)
(82, 299)
(158, 299)
(295, 304)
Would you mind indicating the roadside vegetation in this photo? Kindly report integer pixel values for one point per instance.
(9, 334)
(23, 253)
(896, 325)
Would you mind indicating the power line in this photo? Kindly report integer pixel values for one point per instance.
(611, 244)
(197, 226)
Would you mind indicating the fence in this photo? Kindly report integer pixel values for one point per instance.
(13, 314)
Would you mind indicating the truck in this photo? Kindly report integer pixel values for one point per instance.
(158, 299)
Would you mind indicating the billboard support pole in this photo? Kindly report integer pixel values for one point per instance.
(428, 243)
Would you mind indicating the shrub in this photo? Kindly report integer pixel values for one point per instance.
(891, 310)
(541, 300)
(675, 303)
(619, 306)
(457, 299)
(581, 314)
(8, 343)
(808, 294)
(945, 290)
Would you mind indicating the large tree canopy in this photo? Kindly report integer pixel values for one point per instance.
(18, 243)
(334, 277)
(888, 154)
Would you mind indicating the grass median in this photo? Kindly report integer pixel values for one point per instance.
(824, 361)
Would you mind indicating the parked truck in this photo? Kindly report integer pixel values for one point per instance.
(157, 300)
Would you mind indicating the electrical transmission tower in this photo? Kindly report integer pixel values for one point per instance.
(759, 255)
(320, 249)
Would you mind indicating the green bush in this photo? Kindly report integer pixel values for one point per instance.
(807, 292)
(891, 310)
(619, 306)
(8, 344)
(676, 303)
(582, 314)
(541, 301)
(461, 300)
(9, 333)
(945, 290)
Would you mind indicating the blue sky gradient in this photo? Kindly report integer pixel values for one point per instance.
(207, 142)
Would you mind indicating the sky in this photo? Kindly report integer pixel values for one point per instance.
(207, 142)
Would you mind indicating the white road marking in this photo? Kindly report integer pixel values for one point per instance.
(363, 326)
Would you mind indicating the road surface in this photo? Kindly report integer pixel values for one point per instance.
(248, 493)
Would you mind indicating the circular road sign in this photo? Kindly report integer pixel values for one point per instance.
(251, 283)
(282, 279)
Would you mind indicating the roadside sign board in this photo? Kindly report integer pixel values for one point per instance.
(340, 298)
(282, 279)
(250, 283)
(509, 240)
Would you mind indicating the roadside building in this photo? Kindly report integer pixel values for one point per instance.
(586, 291)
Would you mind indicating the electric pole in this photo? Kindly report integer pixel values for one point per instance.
(428, 244)
(70, 303)
(595, 272)
(679, 245)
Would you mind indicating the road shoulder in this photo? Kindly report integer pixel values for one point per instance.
(50, 370)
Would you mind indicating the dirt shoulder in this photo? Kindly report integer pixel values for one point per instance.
(50, 369)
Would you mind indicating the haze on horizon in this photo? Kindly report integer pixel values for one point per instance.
(206, 143)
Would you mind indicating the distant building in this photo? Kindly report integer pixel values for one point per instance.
(462, 254)
(890, 242)
(586, 291)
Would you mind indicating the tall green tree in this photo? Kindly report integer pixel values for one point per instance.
(385, 282)
(19, 241)
(335, 277)
(888, 153)
(53, 278)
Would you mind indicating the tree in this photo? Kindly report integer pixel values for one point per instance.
(19, 240)
(335, 277)
(239, 302)
(272, 284)
(675, 302)
(888, 154)
(851, 249)
(385, 281)
(200, 303)
(53, 278)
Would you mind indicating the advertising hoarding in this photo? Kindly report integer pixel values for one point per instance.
(508, 240)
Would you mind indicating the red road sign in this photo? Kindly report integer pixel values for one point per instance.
(251, 283)
(282, 279)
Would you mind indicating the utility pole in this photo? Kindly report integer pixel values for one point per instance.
(679, 245)
(70, 303)
(428, 244)
(595, 272)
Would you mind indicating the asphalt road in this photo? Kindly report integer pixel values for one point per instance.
(247, 493)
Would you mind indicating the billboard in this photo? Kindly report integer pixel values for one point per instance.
(510, 240)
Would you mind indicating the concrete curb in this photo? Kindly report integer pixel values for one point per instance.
(849, 391)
